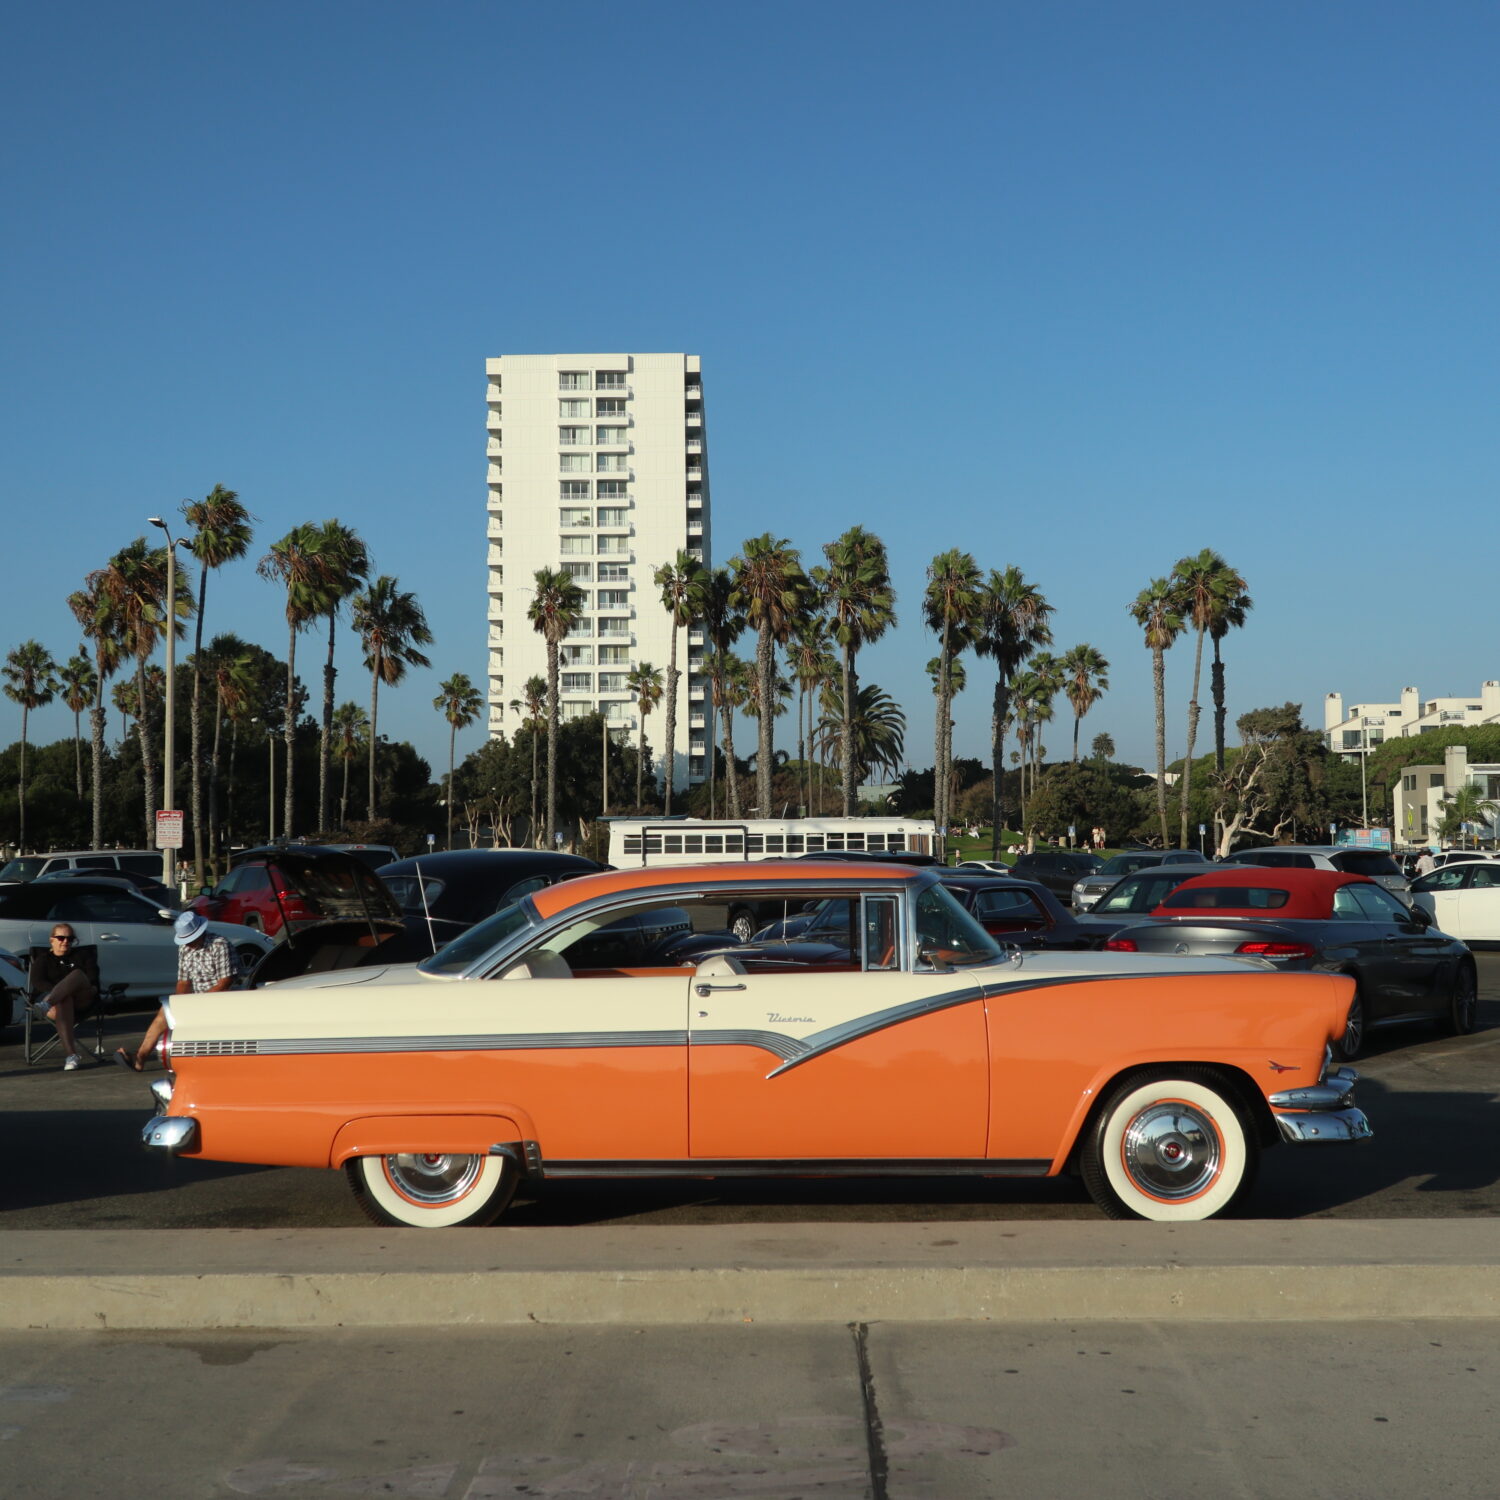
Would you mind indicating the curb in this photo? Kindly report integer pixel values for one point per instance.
(804, 1274)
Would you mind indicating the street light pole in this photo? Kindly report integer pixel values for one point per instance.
(604, 752)
(168, 791)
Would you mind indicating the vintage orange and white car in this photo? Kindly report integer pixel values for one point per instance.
(539, 1045)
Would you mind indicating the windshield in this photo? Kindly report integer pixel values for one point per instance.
(947, 934)
(467, 947)
(22, 869)
(1123, 864)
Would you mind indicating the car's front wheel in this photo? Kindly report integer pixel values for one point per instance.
(432, 1190)
(1171, 1147)
(1463, 1005)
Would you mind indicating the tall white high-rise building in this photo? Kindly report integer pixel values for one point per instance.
(598, 466)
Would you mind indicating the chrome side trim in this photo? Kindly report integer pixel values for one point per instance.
(170, 1133)
(470, 1042)
(1323, 1127)
(525, 1156)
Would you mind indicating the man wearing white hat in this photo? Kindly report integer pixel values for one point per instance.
(205, 964)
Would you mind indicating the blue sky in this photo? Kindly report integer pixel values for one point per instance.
(1079, 287)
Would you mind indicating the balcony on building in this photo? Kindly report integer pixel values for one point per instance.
(492, 475)
(695, 445)
(492, 448)
(696, 636)
(496, 560)
(496, 610)
(695, 419)
(695, 526)
(494, 527)
(497, 636)
(492, 420)
(695, 694)
(695, 471)
(696, 721)
(492, 392)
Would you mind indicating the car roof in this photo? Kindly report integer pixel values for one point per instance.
(449, 860)
(1309, 892)
(771, 872)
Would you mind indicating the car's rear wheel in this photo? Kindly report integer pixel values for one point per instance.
(432, 1190)
(248, 955)
(1352, 1043)
(1171, 1147)
(742, 925)
(1463, 1005)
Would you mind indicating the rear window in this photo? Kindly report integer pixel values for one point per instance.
(22, 869)
(1244, 897)
(408, 891)
(141, 864)
(1366, 862)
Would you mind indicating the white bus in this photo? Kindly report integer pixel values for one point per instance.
(686, 841)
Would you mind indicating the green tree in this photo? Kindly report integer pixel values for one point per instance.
(1462, 806)
(1102, 747)
(728, 680)
(75, 681)
(876, 729)
(1157, 610)
(683, 584)
(723, 625)
(221, 534)
(1231, 608)
(532, 706)
(230, 664)
(1013, 623)
(813, 669)
(460, 703)
(350, 732)
(93, 608)
(343, 563)
(556, 608)
(391, 626)
(771, 590)
(856, 587)
(644, 681)
(31, 680)
(1085, 681)
(950, 607)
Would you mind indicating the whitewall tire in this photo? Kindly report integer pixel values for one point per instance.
(1172, 1148)
(433, 1190)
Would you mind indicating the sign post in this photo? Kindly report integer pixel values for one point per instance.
(168, 837)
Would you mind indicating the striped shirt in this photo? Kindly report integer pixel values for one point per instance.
(203, 965)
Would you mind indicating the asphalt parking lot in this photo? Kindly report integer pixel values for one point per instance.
(75, 1161)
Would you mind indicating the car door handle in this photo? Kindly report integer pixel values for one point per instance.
(109, 937)
(704, 990)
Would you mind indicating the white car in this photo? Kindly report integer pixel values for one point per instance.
(1463, 900)
(131, 934)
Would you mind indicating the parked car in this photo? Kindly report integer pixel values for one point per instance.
(440, 1087)
(444, 894)
(83, 862)
(12, 988)
(1463, 900)
(1057, 869)
(149, 886)
(987, 866)
(133, 935)
(1375, 864)
(1131, 898)
(1404, 968)
(1093, 885)
(1459, 857)
(286, 888)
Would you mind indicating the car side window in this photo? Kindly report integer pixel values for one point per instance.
(1449, 879)
(228, 885)
(1003, 903)
(1346, 907)
(523, 888)
(878, 919)
(1483, 879)
(253, 878)
(101, 906)
(1374, 907)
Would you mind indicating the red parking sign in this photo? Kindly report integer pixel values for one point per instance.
(169, 829)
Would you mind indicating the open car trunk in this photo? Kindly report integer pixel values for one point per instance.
(325, 946)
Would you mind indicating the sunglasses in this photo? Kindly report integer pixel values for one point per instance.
(63, 937)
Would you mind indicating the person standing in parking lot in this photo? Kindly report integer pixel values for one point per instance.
(205, 965)
(1426, 864)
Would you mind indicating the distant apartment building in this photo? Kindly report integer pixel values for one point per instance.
(597, 466)
(1362, 726)
(1418, 799)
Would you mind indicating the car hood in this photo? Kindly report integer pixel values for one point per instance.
(379, 977)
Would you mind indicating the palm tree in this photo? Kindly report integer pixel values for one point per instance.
(723, 625)
(683, 584)
(136, 582)
(1156, 611)
(1023, 690)
(31, 680)
(728, 676)
(295, 563)
(950, 607)
(126, 698)
(811, 667)
(1102, 747)
(390, 625)
(229, 662)
(344, 565)
(644, 681)
(460, 703)
(1464, 805)
(350, 726)
(1232, 606)
(877, 726)
(1013, 623)
(948, 681)
(95, 612)
(1085, 681)
(772, 590)
(221, 534)
(555, 609)
(857, 587)
(75, 681)
(1048, 672)
(532, 705)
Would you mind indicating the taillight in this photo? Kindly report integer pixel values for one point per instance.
(291, 903)
(1278, 950)
(1121, 945)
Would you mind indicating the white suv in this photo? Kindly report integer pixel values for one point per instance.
(1375, 863)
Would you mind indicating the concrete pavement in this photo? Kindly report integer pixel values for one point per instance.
(1250, 1271)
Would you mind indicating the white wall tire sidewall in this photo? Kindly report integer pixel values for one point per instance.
(1234, 1151)
(374, 1182)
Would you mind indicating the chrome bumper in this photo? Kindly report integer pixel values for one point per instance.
(1322, 1112)
(170, 1133)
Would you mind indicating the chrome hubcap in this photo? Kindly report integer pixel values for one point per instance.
(433, 1177)
(1171, 1151)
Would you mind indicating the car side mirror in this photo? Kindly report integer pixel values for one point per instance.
(1420, 917)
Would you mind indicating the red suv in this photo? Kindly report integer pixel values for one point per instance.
(271, 889)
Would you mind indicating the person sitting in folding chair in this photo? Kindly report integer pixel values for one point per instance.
(63, 984)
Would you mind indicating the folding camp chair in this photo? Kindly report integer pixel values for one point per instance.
(35, 1049)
